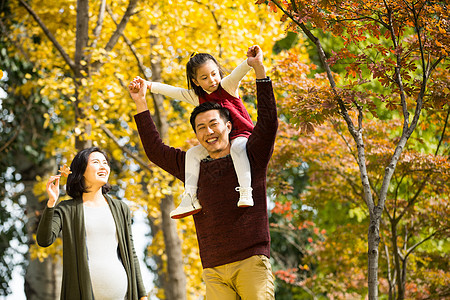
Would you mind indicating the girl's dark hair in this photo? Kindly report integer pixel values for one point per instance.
(76, 185)
(195, 62)
(205, 106)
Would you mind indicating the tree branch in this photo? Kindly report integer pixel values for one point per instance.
(5, 32)
(443, 132)
(98, 27)
(407, 129)
(157, 98)
(397, 75)
(216, 21)
(119, 30)
(50, 36)
(427, 177)
(390, 274)
(139, 160)
(434, 65)
(357, 134)
(121, 27)
(130, 46)
(412, 248)
(19, 128)
(425, 76)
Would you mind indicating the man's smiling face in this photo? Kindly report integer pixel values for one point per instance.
(213, 133)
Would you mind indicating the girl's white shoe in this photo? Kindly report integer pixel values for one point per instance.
(245, 196)
(189, 206)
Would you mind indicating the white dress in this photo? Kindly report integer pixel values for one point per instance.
(108, 276)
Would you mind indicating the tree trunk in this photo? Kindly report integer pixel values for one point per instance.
(42, 279)
(397, 259)
(175, 283)
(373, 242)
(402, 283)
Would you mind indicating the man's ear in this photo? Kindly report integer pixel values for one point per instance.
(229, 125)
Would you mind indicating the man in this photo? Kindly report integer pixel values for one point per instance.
(234, 242)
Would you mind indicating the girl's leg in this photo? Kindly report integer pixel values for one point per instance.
(193, 158)
(241, 164)
(189, 203)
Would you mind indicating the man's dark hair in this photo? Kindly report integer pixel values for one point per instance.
(223, 112)
(76, 184)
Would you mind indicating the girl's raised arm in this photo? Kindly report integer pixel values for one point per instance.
(177, 93)
(231, 82)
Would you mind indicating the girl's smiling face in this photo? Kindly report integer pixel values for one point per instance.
(208, 76)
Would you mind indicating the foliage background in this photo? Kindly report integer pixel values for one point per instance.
(318, 225)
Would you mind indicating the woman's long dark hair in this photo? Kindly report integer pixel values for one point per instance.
(76, 185)
(195, 62)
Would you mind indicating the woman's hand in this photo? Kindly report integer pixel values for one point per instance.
(53, 190)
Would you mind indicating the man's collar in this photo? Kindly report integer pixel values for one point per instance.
(209, 158)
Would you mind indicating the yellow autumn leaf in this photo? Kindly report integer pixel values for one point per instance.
(65, 170)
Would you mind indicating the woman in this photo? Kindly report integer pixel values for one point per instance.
(99, 260)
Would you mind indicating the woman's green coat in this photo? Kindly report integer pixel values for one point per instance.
(68, 217)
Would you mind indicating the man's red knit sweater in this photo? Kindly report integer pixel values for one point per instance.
(225, 232)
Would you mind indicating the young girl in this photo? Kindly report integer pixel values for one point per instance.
(206, 84)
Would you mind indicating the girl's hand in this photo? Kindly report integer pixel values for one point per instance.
(135, 85)
(138, 90)
(149, 85)
(255, 60)
(255, 55)
(53, 190)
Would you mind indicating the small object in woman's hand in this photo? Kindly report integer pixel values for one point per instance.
(65, 170)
